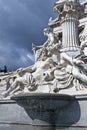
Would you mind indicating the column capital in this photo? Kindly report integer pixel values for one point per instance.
(69, 8)
(68, 19)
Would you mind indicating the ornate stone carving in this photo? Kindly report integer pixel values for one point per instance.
(68, 73)
(83, 37)
(52, 44)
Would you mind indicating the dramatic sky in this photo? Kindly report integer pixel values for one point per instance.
(21, 24)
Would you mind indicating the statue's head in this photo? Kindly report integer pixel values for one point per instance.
(46, 31)
(19, 71)
(43, 54)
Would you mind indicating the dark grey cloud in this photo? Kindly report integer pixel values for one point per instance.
(21, 23)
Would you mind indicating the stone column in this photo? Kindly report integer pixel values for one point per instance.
(69, 14)
(70, 33)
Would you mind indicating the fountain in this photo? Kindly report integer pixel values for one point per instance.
(52, 93)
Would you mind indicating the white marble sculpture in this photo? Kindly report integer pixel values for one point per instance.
(52, 44)
(68, 42)
(31, 77)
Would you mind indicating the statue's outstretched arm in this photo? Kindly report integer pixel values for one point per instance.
(34, 47)
(29, 69)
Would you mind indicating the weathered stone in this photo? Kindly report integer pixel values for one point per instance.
(52, 93)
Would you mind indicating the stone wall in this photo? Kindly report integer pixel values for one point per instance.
(71, 117)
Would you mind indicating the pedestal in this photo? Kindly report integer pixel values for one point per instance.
(49, 111)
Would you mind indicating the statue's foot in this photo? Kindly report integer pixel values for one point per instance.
(56, 90)
(5, 94)
(32, 88)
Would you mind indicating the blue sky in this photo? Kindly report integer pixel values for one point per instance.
(21, 24)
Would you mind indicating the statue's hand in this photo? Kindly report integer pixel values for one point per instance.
(33, 46)
(78, 62)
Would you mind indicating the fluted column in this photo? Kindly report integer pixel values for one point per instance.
(70, 33)
(69, 13)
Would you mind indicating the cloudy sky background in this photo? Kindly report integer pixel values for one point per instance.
(21, 24)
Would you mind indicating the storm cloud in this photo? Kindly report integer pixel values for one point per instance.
(21, 24)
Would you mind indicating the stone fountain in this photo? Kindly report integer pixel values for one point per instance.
(52, 93)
